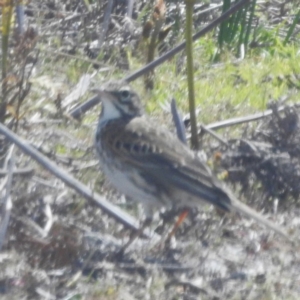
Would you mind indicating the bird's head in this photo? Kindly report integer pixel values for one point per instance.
(118, 101)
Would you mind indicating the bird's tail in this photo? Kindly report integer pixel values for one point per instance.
(238, 206)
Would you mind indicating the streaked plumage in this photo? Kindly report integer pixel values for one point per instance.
(147, 163)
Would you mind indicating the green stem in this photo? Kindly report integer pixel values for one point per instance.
(6, 21)
(190, 71)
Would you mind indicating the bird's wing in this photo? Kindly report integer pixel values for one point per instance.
(160, 156)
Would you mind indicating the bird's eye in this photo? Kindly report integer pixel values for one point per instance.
(124, 95)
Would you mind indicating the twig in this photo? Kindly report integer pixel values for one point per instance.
(130, 4)
(240, 120)
(105, 23)
(21, 172)
(212, 133)
(6, 200)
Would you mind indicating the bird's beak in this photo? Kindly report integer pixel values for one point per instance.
(97, 91)
(102, 94)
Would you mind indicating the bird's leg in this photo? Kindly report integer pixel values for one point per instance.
(148, 211)
(179, 221)
(165, 241)
(136, 234)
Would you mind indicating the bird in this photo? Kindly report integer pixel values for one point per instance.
(148, 163)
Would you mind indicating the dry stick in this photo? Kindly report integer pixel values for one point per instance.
(130, 4)
(6, 200)
(22, 172)
(105, 24)
(77, 112)
(213, 134)
(75, 184)
(240, 120)
(236, 121)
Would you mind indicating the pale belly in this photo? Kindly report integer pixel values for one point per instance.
(134, 187)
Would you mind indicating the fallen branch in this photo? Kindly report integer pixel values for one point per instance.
(240, 120)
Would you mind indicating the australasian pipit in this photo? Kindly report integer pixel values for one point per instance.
(147, 163)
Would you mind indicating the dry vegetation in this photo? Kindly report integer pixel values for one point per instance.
(61, 246)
